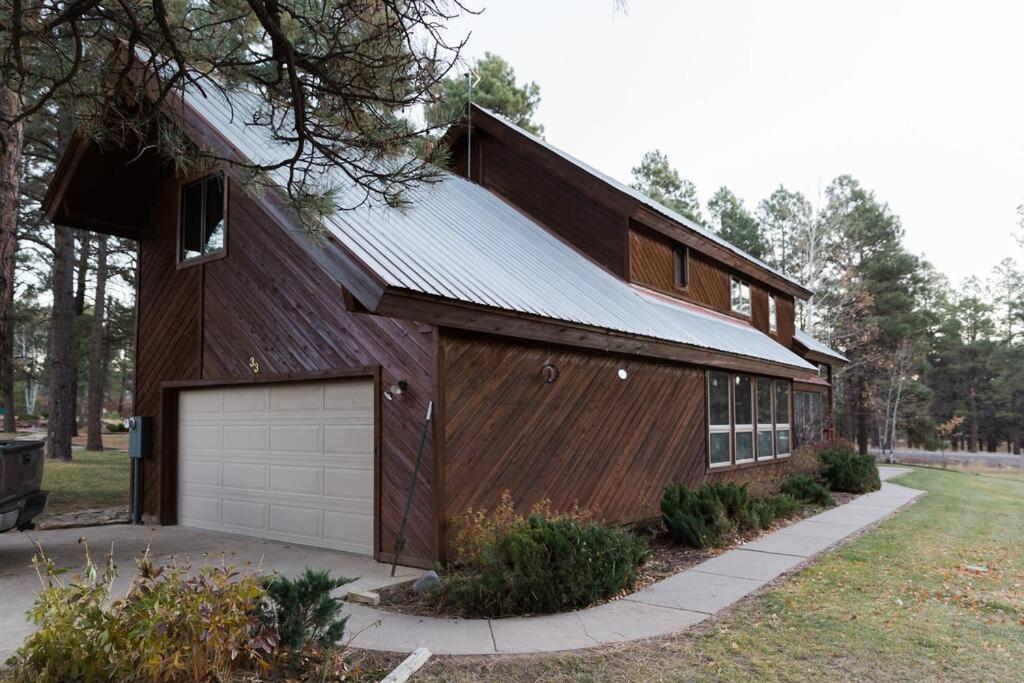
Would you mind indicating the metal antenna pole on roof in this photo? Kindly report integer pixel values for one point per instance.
(470, 82)
(400, 540)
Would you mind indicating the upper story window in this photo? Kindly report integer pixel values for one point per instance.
(773, 315)
(682, 259)
(740, 296)
(202, 226)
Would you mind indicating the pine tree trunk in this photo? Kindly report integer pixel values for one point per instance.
(11, 138)
(81, 276)
(862, 420)
(61, 421)
(7, 379)
(94, 401)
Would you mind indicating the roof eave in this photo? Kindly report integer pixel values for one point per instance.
(408, 304)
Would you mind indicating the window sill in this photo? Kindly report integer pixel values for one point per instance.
(740, 466)
(205, 258)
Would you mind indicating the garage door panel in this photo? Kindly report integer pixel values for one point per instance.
(348, 439)
(203, 472)
(245, 437)
(303, 398)
(291, 462)
(244, 514)
(246, 400)
(244, 475)
(296, 521)
(295, 439)
(200, 509)
(349, 529)
(348, 484)
(199, 436)
(285, 479)
(199, 403)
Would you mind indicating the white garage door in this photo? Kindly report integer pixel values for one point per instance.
(288, 461)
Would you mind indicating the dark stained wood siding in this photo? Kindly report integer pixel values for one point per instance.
(169, 330)
(269, 301)
(651, 260)
(652, 264)
(582, 221)
(589, 437)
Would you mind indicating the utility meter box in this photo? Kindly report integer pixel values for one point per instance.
(140, 436)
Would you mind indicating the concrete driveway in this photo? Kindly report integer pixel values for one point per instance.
(19, 583)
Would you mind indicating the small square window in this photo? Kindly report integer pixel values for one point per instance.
(682, 257)
(202, 226)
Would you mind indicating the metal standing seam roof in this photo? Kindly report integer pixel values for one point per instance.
(639, 196)
(813, 344)
(459, 241)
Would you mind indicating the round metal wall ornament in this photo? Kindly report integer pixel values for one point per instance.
(549, 373)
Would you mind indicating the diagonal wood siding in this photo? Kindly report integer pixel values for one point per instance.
(589, 437)
(269, 301)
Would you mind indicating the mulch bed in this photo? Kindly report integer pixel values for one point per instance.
(665, 559)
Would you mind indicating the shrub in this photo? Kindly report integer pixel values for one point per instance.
(173, 625)
(694, 518)
(804, 488)
(848, 471)
(475, 529)
(548, 565)
(303, 610)
(767, 510)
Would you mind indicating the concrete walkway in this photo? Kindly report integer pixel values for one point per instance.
(660, 609)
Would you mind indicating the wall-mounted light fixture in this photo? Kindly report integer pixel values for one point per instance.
(623, 374)
(549, 373)
(396, 390)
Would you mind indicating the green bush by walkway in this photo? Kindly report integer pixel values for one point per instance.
(850, 472)
(548, 565)
(706, 517)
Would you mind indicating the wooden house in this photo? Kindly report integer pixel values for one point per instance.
(578, 341)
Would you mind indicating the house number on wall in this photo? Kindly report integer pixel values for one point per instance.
(254, 365)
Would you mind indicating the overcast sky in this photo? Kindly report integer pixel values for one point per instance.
(923, 102)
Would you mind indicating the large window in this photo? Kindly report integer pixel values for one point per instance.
(682, 256)
(740, 296)
(719, 422)
(781, 418)
(773, 315)
(748, 418)
(202, 226)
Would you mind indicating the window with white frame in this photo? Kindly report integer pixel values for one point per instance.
(765, 423)
(773, 315)
(743, 410)
(740, 296)
(782, 409)
(719, 422)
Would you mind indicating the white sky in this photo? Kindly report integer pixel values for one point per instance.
(921, 101)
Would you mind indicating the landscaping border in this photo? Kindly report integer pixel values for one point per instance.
(665, 607)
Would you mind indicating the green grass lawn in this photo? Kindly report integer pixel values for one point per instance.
(896, 604)
(91, 480)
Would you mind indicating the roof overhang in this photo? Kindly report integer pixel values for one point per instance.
(401, 303)
(816, 356)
